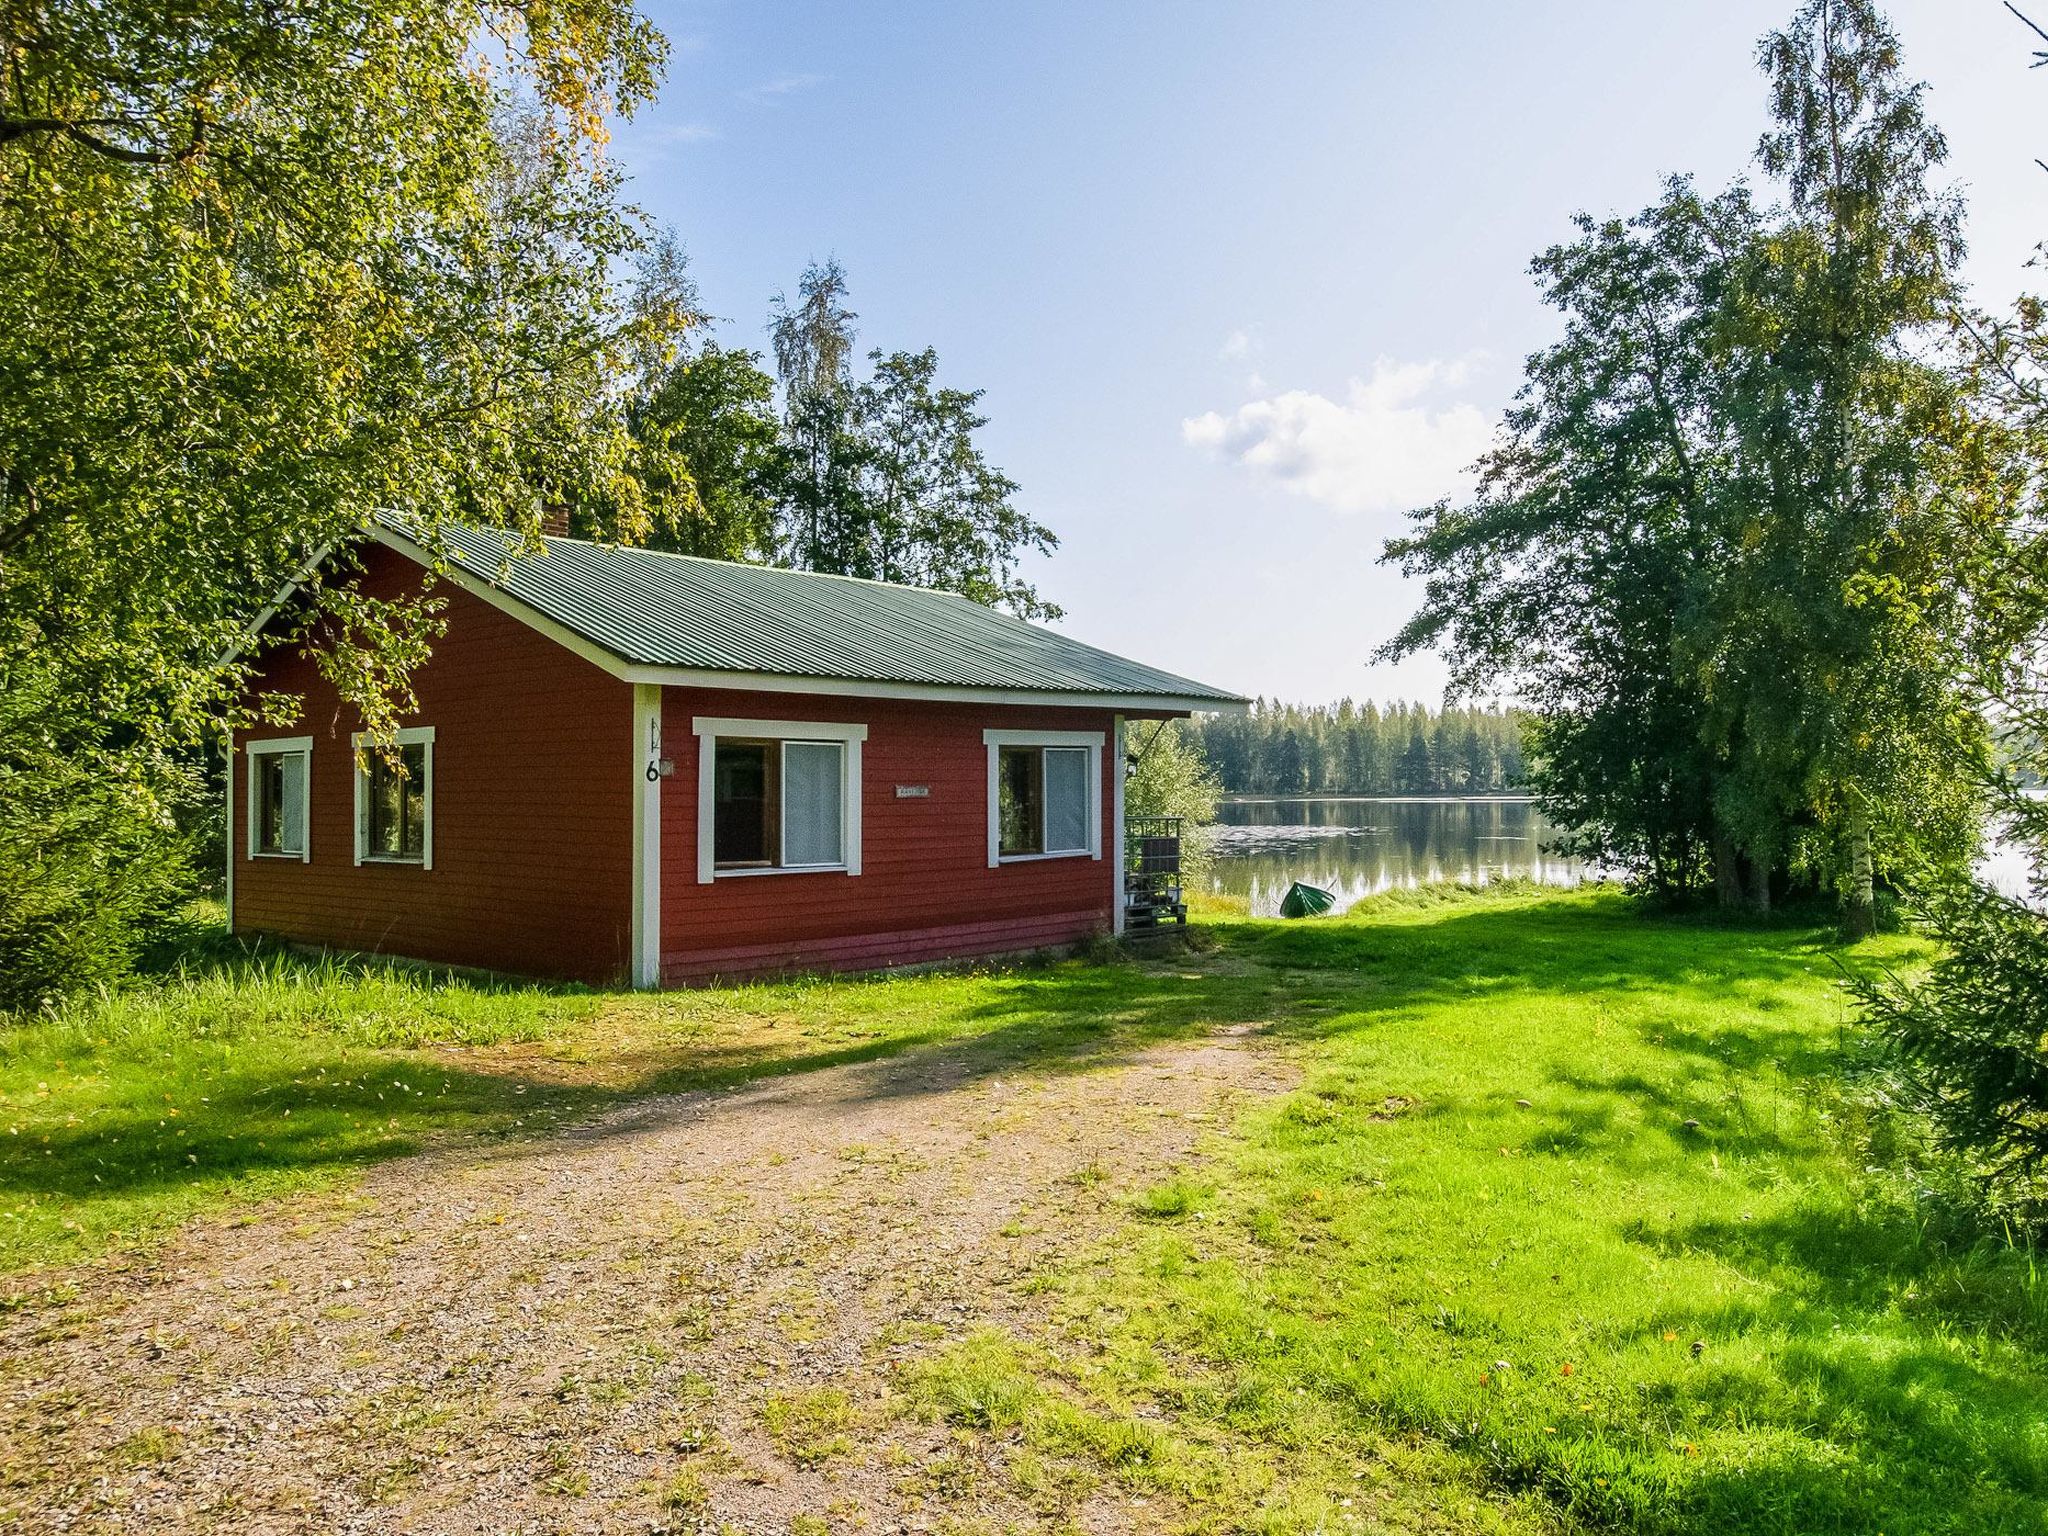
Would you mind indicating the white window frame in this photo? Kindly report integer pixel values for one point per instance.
(710, 729)
(360, 744)
(995, 741)
(279, 746)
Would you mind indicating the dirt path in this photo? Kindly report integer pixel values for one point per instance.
(640, 1324)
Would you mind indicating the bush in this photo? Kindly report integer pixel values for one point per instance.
(1967, 1046)
(92, 862)
(1173, 778)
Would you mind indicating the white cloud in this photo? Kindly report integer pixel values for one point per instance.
(1382, 448)
(781, 85)
(650, 146)
(1237, 344)
(683, 133)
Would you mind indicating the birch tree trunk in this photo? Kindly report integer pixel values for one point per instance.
(1860, 910)
(1759, 885)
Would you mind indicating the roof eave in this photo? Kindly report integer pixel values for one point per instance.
(867, 688)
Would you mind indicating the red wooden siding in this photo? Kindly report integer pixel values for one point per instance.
(925, 892)
(533, 799)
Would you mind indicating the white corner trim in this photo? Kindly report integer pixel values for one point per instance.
(995, 741)
(1116, 828)
(268, 747)
(709, 728)
(646, 935)
(412, 735)
(228, 811)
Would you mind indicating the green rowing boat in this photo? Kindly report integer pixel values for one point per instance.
(1306, 901)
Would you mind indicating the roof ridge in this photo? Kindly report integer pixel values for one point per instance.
(744, 565)
(741, 565)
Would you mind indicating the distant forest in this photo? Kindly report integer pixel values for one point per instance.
(1362, 749)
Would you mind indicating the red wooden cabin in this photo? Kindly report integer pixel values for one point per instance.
(641, 766)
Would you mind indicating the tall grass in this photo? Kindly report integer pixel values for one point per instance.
(279, 995)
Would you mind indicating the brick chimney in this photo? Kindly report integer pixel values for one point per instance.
(554, 520)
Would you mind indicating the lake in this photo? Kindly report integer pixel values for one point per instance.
(1359, 846)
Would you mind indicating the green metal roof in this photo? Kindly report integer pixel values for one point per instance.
(652, 609)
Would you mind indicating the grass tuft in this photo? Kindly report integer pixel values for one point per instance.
(1170, 1200)
(810, 1426)
(684, 1494)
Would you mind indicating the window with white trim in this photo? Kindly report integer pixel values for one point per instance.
(777, 796)
(1044, 799)
(280, 798)
(395, 798)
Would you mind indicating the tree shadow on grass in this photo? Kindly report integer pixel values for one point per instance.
(1908, 1375)
(196, 946)
(1839, 1261)
(272, 1110)
(1687, 1114)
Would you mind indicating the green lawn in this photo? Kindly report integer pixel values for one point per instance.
(1567, 1224)
(1567, 1205)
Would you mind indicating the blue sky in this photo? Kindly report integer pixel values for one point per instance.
(1242, 282)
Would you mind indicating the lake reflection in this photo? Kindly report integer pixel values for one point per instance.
(1358, 847)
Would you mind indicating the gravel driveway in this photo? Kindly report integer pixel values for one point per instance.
(645, 1323)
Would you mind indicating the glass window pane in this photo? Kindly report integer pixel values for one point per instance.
(812, 802)
(740, 832)
(1020, 799)
(395, 803)
(386, 791)
(268, 768)
(291, 789)
(413, 838)
(1066, 799)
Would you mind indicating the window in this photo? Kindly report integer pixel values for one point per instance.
(743, 823)
(777, 796)
(396, 804)
(813, 803)
(395, 799)
(1042, 800)
(1021, 775)
(280, 804)
(1044, 796)
(778, 804)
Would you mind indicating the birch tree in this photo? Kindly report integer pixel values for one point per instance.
(1729, 540)
(265, 269)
